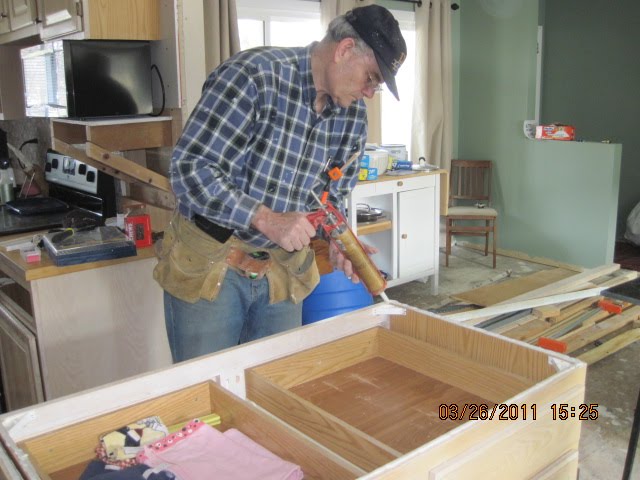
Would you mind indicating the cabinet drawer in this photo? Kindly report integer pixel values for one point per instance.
(379, 395)
(397, 184)
(64, 454)
(412, 183)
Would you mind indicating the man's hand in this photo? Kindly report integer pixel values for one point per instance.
(290, 230)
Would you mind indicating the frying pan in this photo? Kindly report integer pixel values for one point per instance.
(366, 213)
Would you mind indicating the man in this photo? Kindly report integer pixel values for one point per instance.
(235, 262)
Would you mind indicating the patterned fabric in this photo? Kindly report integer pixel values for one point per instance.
(254, 138)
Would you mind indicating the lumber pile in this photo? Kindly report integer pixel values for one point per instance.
(557, 309)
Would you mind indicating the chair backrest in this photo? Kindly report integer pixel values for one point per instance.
(470, 180)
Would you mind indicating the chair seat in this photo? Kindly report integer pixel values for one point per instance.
(472, 211)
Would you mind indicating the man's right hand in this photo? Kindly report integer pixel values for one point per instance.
(290, 230)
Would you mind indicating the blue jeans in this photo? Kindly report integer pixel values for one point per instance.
(239, 314)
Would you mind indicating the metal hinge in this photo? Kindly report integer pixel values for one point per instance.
(79, 11)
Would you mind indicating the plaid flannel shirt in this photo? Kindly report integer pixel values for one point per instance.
(254, 138)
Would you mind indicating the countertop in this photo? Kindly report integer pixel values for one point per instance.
(413, 173)
(12, 264)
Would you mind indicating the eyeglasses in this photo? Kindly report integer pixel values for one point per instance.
(373, 83)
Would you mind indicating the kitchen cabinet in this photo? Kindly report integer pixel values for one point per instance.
(5, 27)
(18, 20)
(407, 238)
(22, 13)
(21, 380)
(66, 329)
(370, 394)
(97, 19)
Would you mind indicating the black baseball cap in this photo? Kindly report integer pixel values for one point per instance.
(381, 31)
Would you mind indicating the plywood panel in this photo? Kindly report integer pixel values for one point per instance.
(519, 451)
(475, 345)
(337, 435)
(392, 403)
(322, 360)
(457, 370)
(499, 292)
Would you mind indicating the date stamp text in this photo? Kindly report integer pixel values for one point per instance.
(504, 411)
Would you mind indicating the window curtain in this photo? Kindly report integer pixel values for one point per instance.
(208, 34)
(222, 38)
(329, 9)
(431, 134)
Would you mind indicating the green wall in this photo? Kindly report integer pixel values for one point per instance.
(566, 208)
(546, 192)
(591, 79)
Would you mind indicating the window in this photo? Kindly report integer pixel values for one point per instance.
(396, 115)
(44, 86)
(285, 23)
(289, 23)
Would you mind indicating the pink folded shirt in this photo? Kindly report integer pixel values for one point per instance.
(200, 452)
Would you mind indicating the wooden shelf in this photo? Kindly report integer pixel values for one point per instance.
(374, 227)
(94, 142)
(116, 134)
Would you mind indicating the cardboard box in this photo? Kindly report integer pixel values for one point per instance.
(555, 132)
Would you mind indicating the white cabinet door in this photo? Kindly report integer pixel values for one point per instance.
(5, 27)
(22, 13)
(416, 231)
(60, 17)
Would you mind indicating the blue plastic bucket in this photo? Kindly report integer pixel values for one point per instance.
(335, 294)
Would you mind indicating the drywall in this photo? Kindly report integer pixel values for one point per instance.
(591, 79)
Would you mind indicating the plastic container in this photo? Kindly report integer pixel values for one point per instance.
(396, 150)
(335, 294)
(378, 159)
(7, 181)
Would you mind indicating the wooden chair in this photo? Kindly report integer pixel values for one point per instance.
(469, 203)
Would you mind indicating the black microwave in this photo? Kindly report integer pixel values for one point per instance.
(88, 78)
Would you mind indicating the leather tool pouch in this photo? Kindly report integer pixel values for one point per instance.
(192, 265)
(251, 267)
(293, 275)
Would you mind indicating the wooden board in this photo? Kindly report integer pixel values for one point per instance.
(392, 403)
(499, 292)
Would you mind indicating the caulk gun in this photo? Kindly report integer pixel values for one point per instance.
(335, 226)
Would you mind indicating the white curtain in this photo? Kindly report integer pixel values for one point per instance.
(431, 134)
(329, 9)
(221, 34)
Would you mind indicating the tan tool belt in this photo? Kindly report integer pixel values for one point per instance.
(192, 265)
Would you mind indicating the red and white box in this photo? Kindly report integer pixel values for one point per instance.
(555, 132)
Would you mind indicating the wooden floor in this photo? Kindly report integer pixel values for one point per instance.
(389, 402)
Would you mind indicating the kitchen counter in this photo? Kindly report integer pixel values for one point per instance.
(23, 272)
(66, 329)
(444, 183)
